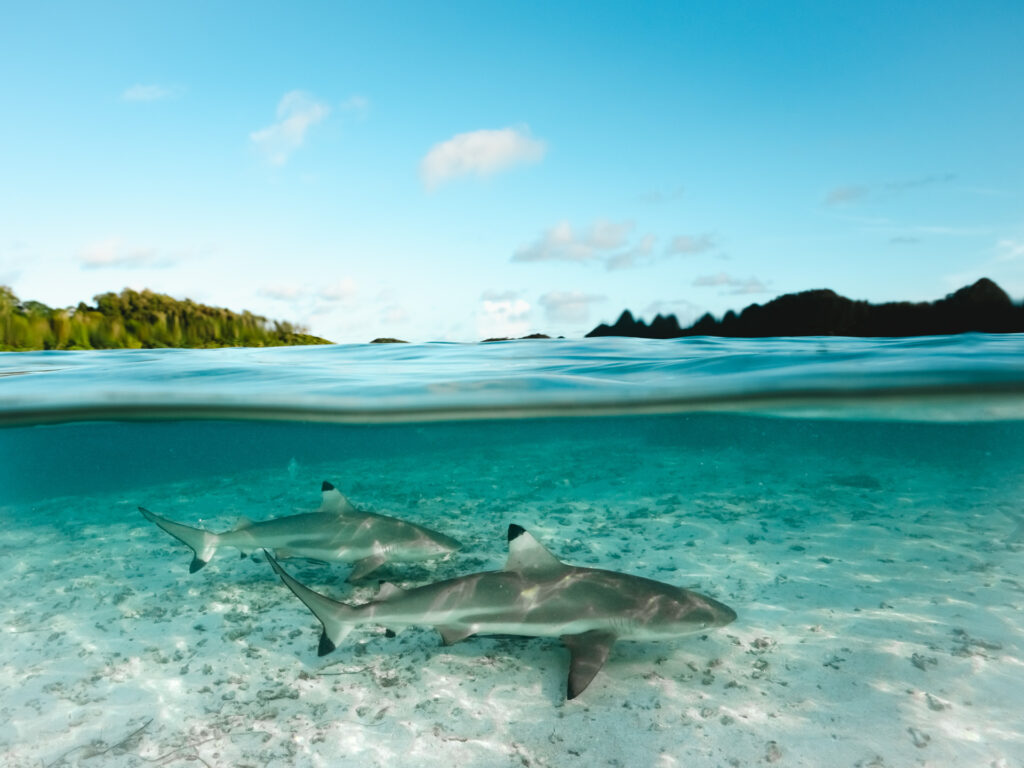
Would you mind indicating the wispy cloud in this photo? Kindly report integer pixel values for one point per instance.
(849, 193)
(657, 196)
(604, 242)
(113, 253)
(356, 105)
(297, 112)
(1009, 250)
(636, 255)
(568, 306)
(735, 285)
(141, 92)
(312, 299)
(480, 153)
(690, 245)
(853, 193)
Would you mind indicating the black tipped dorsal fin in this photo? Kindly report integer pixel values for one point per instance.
(333, 500)
(525, 553)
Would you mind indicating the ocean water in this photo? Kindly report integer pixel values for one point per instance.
(859, 503)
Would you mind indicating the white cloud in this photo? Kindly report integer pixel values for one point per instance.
(112, 253)
(149, 93)
(560, 243)
(736, 284)
(480, 153)
(503, 318)
(687, 245)
(568, 306)
(297, 112)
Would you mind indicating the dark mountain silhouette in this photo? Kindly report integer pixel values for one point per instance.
(983, 306)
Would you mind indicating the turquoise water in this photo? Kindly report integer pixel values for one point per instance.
(857, 502)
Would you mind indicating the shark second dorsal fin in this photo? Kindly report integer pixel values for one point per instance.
(388, 590)
(525, 553)
(243, 522)
(334, 500)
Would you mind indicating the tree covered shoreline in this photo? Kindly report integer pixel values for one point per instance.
(137, 320)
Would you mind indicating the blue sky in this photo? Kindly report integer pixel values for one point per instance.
(456, 171)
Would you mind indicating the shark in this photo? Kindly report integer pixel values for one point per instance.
(534, 595)
(337, 531)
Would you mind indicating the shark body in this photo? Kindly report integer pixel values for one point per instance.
(535, 595)
(335, 532)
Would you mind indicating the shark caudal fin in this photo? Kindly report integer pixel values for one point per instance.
(336, 618)
(203, 543)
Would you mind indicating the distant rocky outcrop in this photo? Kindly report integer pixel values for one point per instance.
(983, 307)
(388, 340)
(521, 338)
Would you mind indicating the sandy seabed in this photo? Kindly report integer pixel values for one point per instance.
(880, 618)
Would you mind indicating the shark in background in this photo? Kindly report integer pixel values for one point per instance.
(337, 532)
(535, 595)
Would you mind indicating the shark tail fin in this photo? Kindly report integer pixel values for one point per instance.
(203, 543)
(337, 619)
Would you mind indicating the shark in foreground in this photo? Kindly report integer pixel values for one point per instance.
(335, 532)
(535, 595)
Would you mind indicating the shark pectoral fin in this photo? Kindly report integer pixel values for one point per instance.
(366, 566)
(452, 635)
(589, 653)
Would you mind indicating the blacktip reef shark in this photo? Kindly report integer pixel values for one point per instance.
(535, 595)
(335, 532)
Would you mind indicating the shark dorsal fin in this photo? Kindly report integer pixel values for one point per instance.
(243, 522)
(525, 553)
(334, 500)
(388, 590)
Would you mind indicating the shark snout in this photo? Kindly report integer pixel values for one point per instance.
(443, 545)
(720, 614)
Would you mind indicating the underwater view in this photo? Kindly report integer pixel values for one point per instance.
(607, 552)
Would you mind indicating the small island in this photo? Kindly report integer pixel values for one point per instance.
(982, 307)
(137, 320)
